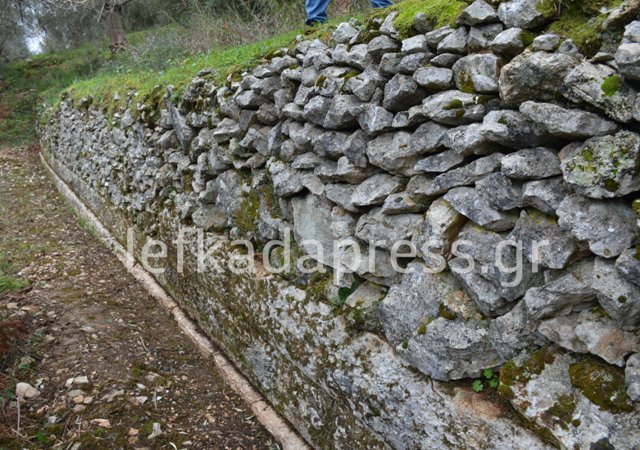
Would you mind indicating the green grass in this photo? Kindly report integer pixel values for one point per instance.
(8, 283)
(440, 12)
(26, 84)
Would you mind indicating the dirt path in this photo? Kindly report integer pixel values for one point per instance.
(87, 317)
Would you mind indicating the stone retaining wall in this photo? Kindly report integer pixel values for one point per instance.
(482, 133)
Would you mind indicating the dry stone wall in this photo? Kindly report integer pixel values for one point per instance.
(454, 140)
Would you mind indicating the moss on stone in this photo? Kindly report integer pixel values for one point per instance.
(563, 410)
(602, 384)
(247, 214)
(440, 12)
(611, 85)
(445, 312)
(465, 83)
(514, 372)
(321, 80)
(453, 104)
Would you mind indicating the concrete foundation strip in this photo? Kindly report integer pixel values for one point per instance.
(264, 412)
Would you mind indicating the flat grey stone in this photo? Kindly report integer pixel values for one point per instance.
(439, 163)
(383, 231)
(439, 229)
(401, 93)
(628, 61)
(628, 265)
(454, 108)
(532, 163)
(513, 129)
(545, 195)
(466, 175)
(547, 42)
(525, 14)
(478, 12)
(455, 42)
(500, 191)
(632, 377)
(509, 42)
(468, 202)
(567, 123)
(393, 153)
(434, 79)
(481, 36)
(374, 190)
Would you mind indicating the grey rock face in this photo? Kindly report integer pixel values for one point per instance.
(403, 203)
(380, 45)
(342, 113)
(466, 175)
(467, 140)
(434, 79)
(401, 93)
(454, 108)
(286, 181)
(546, 195)
(534, 76)
(567, 123)
(478, 12)
(438, 351)
(544, 242)
(210, 217)
(481, 36)
(533, 163)
(469, 203)
(512, 129)
(628, 265)
(585, 84)
(455, 42)
(415, 300)
(410, 63)
(500, 191)
(427, 138)
(340, 194)
(513, 332)
(356, 56)
(509, 42)
(415, 44)
(343, 33)
(588, 332)
(609, 227)
(478, 73)
(605, 167)
(362, 307)
(632, 377)
(341, 171)
(393, 153)
(439, 163)
(618, 297)
(525, 14)
(375, 120)
(374, 190)
(628, 60)
(548, 42)
(383, 231)
(422, 23)
(436, 36)
(561, 295)
(315, 111)
(445, 60)
(438, 229)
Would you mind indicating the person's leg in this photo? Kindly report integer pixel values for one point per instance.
(381, 3)
(316, 11)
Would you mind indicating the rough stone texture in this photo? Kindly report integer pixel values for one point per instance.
(434, 78)
(604, 167)
(632, 377)
(522, 14)
(500, 191)
(469, 203)
(534, 163)
(567, 123)
(385, 230)
(584, 84)
(454, 108)
(439, 229)
(546, 195)
(588, 332)
(609, 228)
(477, 13)
(509, 42)
(374, 190)
(512, 129)
(544, 242)
(619, 298)
(534, 76)
(628, 265)
(478, 73)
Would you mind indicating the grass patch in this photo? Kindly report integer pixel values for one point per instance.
(581, 22)
(440, 12)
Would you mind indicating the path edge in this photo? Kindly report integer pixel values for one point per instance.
(268, 417)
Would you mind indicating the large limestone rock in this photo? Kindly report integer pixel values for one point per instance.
(556, 392)
(527, 14)
(468, 202)
(500, 191)
(513, 129)
(479, 12)
(438, 230)
(619, 298)
(455, 108)
(478, 73)
(604, 167)
(544, 242)
(533, 163)
(384, 231)
(439, 349)
(546, 195)
(601, 86)
(394, 153)
(374, 190)
(589, 332)
(628, 265)
(534, 76)
(567, 123)
(401, 93)
(415, 301)
(609, 227)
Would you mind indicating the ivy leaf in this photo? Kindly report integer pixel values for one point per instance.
(488, 374)
(477, 386)
(494, 383)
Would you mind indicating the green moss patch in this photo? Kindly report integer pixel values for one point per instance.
(611, 85)
(441, 12)
(604, 385)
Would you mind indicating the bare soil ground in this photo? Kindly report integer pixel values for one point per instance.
(85, 316)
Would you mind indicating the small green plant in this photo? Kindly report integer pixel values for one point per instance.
(490, 378)
(343, 294)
